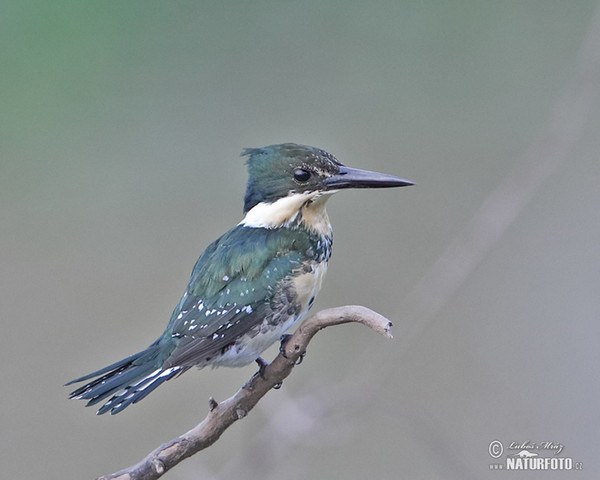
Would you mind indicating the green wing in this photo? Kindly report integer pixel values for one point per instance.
(232, 288)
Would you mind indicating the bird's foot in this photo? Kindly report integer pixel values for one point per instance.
(285, 338)
(262, 365)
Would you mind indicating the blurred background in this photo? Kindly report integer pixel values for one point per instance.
(120, 134)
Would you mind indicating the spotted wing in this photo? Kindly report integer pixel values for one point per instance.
(236, 283)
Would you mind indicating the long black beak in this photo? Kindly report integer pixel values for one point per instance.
(356, 178)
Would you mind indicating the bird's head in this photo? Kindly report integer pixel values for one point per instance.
(280, 171)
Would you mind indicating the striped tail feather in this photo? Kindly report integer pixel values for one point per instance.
(128, 381)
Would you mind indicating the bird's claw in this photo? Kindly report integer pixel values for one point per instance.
(262, 365)
(285, 338)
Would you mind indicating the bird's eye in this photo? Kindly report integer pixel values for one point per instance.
(301, 175)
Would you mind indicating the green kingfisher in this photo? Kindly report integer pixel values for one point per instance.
(250, 285)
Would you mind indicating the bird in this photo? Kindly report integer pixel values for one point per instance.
(250, 285)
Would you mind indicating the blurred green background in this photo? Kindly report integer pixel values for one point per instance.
(120, 134)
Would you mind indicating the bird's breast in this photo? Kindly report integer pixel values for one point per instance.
(294, 299)
(306, 285)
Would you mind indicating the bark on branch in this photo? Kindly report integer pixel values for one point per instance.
(222, 415)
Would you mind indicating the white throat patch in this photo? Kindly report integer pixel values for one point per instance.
(284, 211)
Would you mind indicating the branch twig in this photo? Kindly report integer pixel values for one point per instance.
(222, 415)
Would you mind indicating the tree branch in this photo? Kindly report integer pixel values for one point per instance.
(222, 415)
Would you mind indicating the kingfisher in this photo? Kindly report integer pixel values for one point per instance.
(250, 285)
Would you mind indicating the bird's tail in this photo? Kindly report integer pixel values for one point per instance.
(128, 381)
